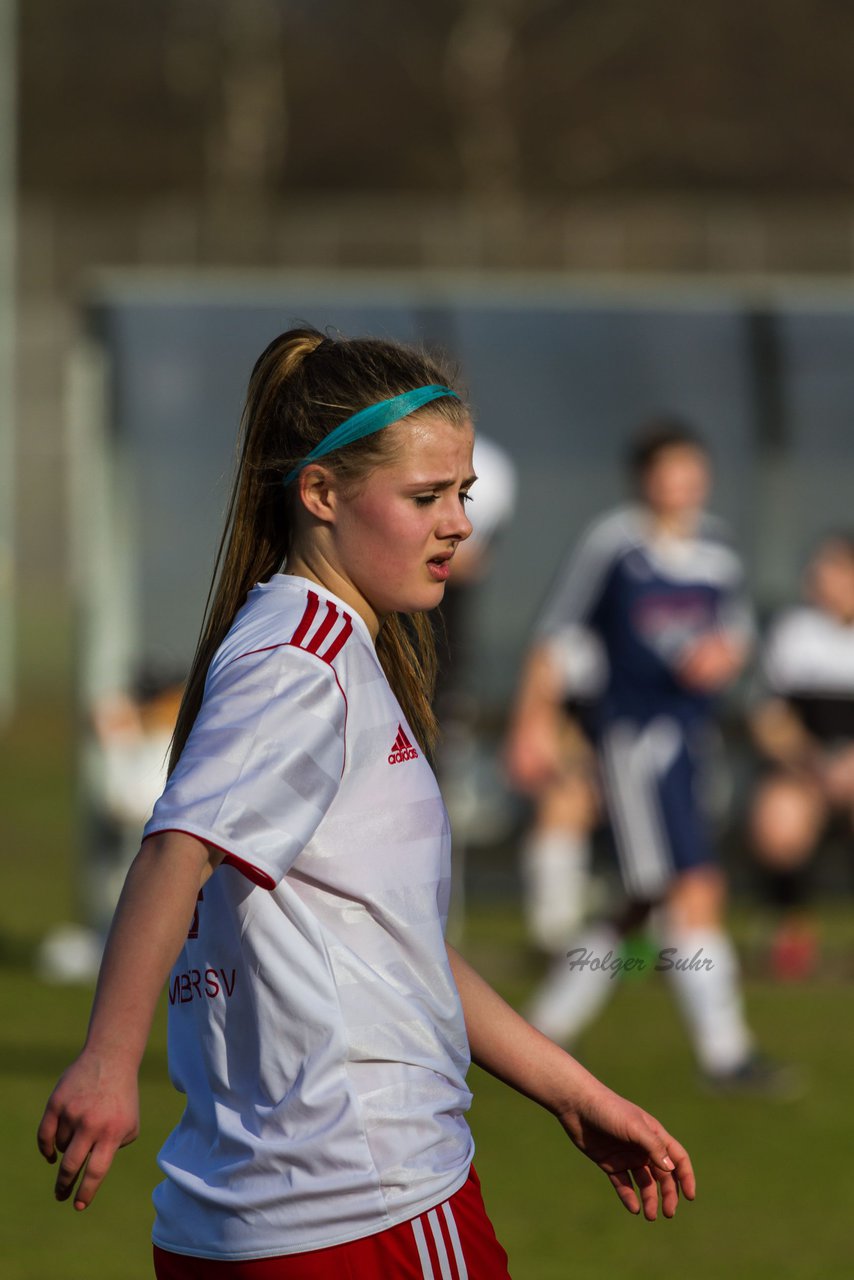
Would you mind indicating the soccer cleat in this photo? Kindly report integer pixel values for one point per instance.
(758, 1077)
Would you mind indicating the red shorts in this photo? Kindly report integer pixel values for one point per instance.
(454, 1241)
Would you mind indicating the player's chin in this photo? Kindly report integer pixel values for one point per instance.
(424, 598)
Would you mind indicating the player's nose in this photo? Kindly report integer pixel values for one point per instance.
(455, 522)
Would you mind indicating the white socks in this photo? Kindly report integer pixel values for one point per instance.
(555, 872)
(700, 963)
(703, 968)
(579, 984)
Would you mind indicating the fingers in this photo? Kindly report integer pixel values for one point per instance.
(648, 1187)
(90, 1114)
(646, 1198)
(87, 1154)
(647, 1167)
(46, 1136)
(669, 1193)
(90, 1162)
(97, 1168)
(671, 1173)
(624, 1187)
(668, 1156)
(683, 1171)
(72, 1163)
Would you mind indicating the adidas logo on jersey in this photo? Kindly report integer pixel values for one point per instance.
(402, 748)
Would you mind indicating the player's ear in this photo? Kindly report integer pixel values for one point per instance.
(319, 492)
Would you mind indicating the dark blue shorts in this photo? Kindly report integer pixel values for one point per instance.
(653, 777)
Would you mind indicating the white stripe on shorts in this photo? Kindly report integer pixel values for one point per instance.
(462, 1269)
(447, 1271)
(633, 764)
(423, 1251)
(444, 1264)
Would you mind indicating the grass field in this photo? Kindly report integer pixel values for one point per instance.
(774, 1179)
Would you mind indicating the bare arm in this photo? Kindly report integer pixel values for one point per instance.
(532, 752)
(780, 735)
(94, 1108)
(625, 1141)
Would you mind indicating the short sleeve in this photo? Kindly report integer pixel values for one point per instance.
(263, 761)
(736, 614)
(580, 662)
(584, 576)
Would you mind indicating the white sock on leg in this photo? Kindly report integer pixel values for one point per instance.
(555, 871)
(703, 967)
(577, 987)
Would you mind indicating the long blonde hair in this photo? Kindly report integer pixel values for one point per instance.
(302, 386)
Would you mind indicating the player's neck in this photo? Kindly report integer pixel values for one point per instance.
(315, 567)
(673, 524)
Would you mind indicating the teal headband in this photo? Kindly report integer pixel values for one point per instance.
(367, 421)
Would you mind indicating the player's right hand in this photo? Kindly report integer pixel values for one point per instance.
(93, 1111)
(710, 664)
(532, 758)
(644, 1163)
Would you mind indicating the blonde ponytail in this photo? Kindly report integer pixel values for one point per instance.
(257, 530)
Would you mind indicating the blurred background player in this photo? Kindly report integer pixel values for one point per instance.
(660, 589)
(804, 729)
(557, 849)
(125, 766)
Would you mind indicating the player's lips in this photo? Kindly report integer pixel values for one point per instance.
(439, 567)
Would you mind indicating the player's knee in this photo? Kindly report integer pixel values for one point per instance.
(785, 824)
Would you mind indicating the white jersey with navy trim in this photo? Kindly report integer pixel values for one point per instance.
(314, 1023)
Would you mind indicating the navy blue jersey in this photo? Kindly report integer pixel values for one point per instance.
(646, 599)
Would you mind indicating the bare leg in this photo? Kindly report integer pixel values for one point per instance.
(785, 824)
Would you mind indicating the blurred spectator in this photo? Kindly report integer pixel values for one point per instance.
(132, 731)
(660, 590)
(126, 770)
(803, 726)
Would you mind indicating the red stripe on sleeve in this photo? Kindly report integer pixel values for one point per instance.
(307, 618)
(323, 630)
(340, 640)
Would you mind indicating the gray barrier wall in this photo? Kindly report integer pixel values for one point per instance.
(559, 375)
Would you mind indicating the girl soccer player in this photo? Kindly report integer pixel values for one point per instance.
(294, 877)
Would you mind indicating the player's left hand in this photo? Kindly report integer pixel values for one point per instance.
(644, 1163)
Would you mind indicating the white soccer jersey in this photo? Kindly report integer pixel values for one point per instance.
(808, 660)
(314, 1023)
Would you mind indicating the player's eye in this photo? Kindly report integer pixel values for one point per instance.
(425, 499)
(465, 496)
